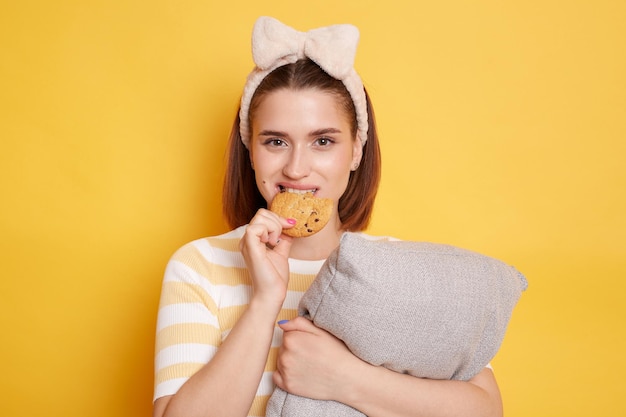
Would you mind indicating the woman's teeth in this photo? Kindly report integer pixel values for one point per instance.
(297, 191)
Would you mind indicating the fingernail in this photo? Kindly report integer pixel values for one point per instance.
(291, 221)
(283, 321)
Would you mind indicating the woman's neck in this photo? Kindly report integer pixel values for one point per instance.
(317, 246)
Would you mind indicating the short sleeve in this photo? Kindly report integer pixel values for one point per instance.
(188, 333)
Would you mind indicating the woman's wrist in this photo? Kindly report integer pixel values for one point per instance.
(355, 375)
(266, 305)
(364, 386)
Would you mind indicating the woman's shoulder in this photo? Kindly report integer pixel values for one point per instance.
(222, 247)
(368, 236)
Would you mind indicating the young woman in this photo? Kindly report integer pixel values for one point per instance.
(305, 125)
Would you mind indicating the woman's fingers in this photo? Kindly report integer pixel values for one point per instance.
(273, 224)
(266, 251)
(300, 324)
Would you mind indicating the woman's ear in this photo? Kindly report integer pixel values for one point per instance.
(357, 153)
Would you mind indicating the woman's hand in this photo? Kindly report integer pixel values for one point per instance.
(311, 362)
(266, 252)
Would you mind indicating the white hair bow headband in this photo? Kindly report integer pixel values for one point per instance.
(333, 48)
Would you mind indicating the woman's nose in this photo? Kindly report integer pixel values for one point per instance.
(298, 165)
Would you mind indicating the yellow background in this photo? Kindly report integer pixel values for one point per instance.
(503, 128)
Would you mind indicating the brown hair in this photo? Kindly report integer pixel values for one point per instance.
(241, 198)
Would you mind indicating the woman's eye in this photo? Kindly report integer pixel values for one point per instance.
(324, 141)
(275, 142)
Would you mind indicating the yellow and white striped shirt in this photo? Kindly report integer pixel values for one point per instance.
(205, 290)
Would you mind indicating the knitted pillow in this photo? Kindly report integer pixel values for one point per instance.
(430, 310)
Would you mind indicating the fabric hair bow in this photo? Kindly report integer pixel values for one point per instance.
(333, 48)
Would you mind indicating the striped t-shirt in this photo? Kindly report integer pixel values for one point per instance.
(205, 290)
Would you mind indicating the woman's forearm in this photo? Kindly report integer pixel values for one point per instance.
(381, 392)
(226, 386)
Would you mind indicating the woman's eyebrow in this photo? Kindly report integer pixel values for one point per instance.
(273, 133)
(318, 132)
(325, 131)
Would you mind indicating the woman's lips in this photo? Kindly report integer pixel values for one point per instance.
(284, 189)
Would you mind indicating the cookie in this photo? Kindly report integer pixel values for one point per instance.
(311, 213)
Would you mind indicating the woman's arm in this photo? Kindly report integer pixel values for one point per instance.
(313, 363)
(226, 386)
(382, 392)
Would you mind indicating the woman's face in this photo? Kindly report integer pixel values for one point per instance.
(301, 141)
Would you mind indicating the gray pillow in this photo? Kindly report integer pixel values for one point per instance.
(430, 310)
